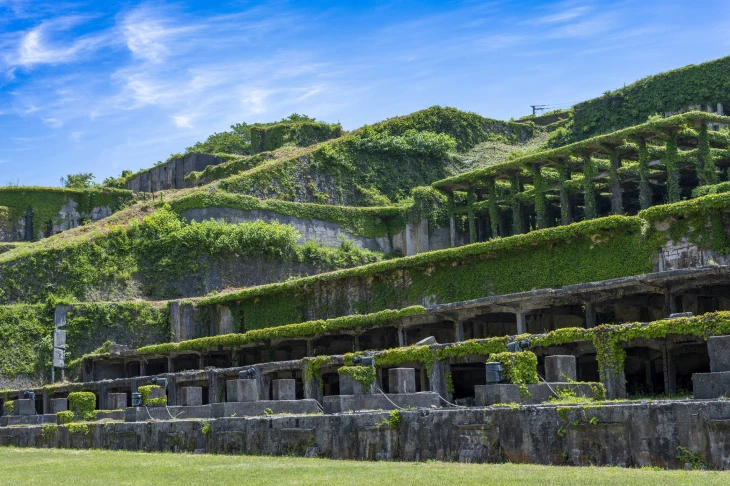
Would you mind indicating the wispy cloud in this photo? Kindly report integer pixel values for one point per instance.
(37, 46)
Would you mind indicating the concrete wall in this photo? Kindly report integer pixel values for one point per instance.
(171, 174)
(637, 435)
(311, 229)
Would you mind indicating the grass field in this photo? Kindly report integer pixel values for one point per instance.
(75, 467)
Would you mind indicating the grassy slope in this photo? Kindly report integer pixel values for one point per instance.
(75, 467)
(495, 151)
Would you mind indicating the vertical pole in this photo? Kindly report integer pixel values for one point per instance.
(521, 324)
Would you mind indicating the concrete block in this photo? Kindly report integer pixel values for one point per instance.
(191, 396)
(140, 414)
(242, 391)
(402, 380)
(350, 386)
(500, 393)
(249, 409)
(560, 368)
(719, 349)
(427, 341)
(117, 401)
(157, 393)
(283, 389)
(711, 385)
(59, 405)
(543, 392)
(25, 407)
(353, 403)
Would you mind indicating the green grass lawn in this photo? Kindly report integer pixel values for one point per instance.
(76, 467)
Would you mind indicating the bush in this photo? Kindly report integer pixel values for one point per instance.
(82, 404)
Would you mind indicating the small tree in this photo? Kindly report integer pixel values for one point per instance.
(78, 181)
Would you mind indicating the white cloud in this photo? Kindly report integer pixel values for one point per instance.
(76, 136)
(562, 16)
(53, 122)
(183, 121)
(148, 34)
(36, 45)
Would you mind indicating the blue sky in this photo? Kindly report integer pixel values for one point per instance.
(105, 86)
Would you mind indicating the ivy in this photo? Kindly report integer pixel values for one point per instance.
(369, 222)
(365, 375)
(703, 84)
(145, 391)
(268, 137)
(291, 331)
(47, 202)
(82, 404)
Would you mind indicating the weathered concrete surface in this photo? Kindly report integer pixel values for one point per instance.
(537, 393)
(247, 409)
(379, 401)
(171, 174)
(711, 385)
(560, 368)
(719, 349)
(311, 229)
(624, 434)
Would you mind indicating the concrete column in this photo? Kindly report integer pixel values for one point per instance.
(356, 342)
(311, 386)
(170, 367)
(201, 362)
(213, 387)
(669, 303)
(424, 378)
(616, 190)
(438, 379)
(452, 230)
(46, 402)
(613, 377)
(401, 336)
(590, 311)
(521, 325)
(670, 372)
(142, 368)
(452, 221)
(459, 330)
(171, 392)
(310, 349)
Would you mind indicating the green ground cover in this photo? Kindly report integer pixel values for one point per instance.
(77, 467)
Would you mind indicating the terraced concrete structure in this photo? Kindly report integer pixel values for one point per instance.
(355, 298)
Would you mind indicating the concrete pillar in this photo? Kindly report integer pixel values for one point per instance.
(401, 336)
(670, 372)
(521, 325)
(284, 389)
(171, 391)
(438, 379)
(402, 380)
(616, 190)
(201, 362)
(452, 230)
(46, 402)
(242, 391)
(310, 349)
(142, 368)
(561, 368)
(312, 385)
(459, 330)
(356, 342)
(590, 312)
(213, 387)
(613, 377)
(669, 303)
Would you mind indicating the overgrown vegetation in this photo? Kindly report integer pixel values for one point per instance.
(702, 84)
